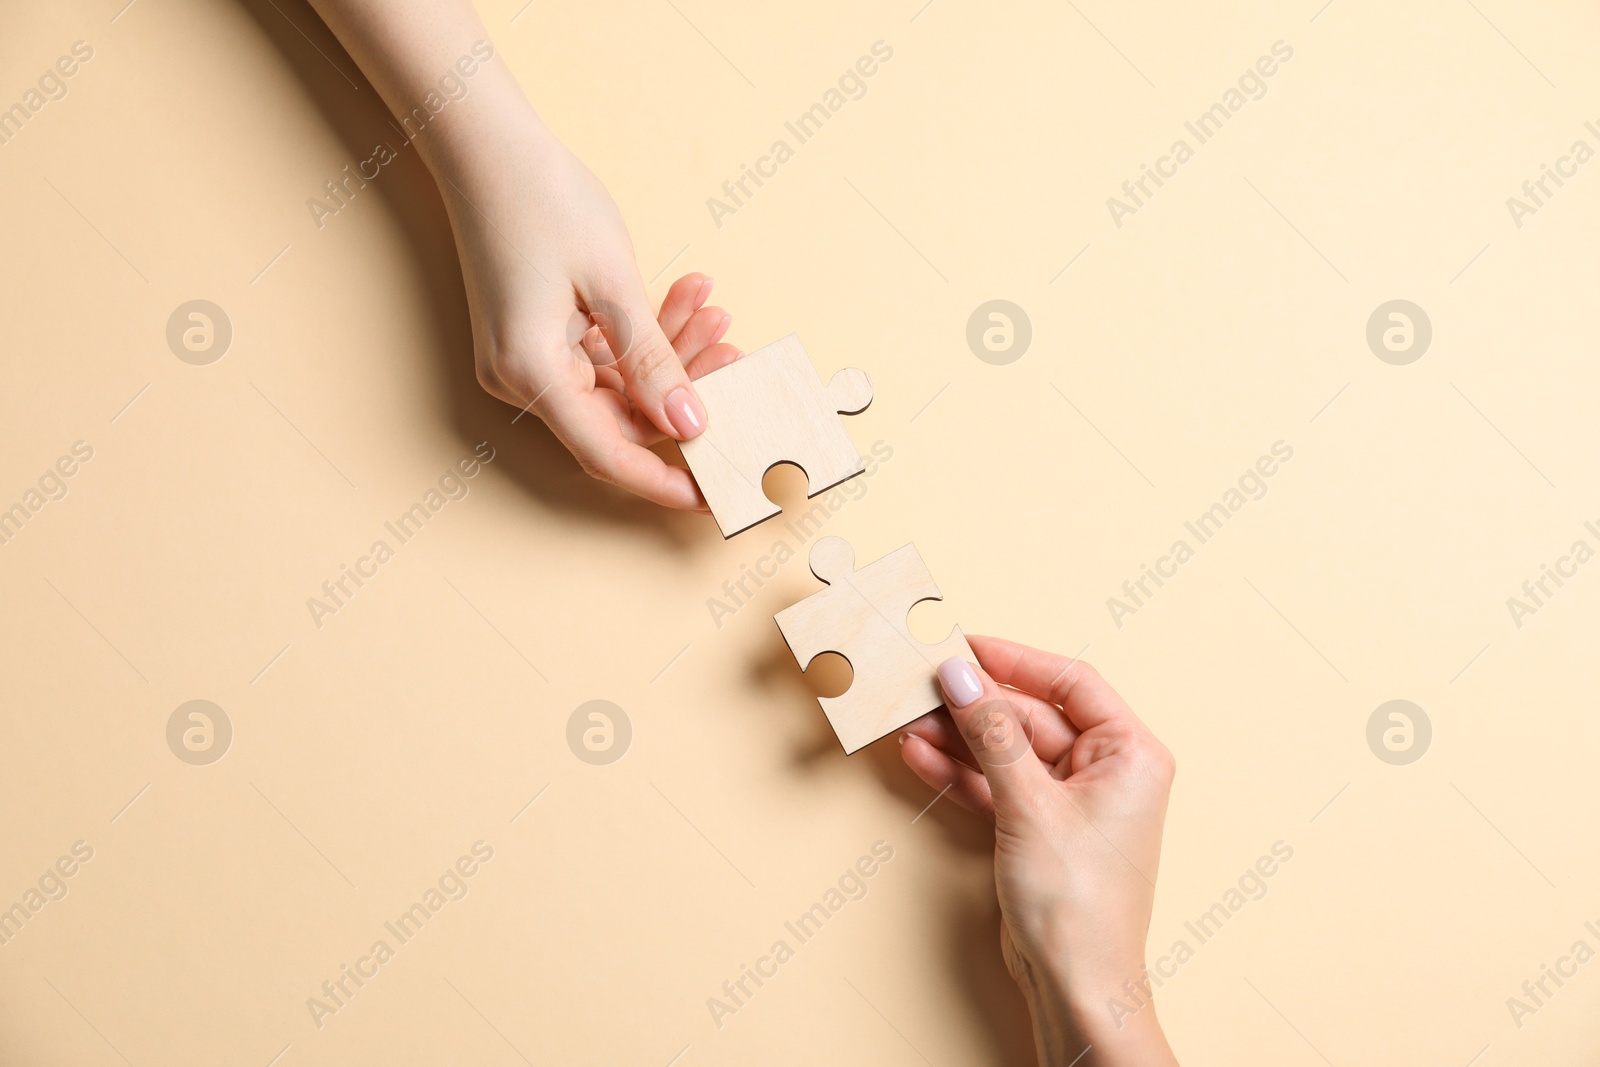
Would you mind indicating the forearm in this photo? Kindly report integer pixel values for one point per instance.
(435, 67)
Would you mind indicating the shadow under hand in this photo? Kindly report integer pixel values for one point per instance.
(980, 968)
(973, 916)
(533, 459)
(973, 926)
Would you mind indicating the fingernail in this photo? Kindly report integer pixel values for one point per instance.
(904, 738)
(705, 291)
(959, 681)
(722, 328)
(688, 418)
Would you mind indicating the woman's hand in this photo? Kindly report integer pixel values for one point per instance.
(560, 321)
(1077, 789)
(561, 325)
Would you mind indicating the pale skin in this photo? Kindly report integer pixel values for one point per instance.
(562, 327)
(1076, 787)
(561, 323)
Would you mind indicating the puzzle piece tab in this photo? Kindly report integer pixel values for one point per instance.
(770, 407)
(862, 616)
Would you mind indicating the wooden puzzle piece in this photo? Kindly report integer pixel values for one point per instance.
(862, 616)
(766, 408)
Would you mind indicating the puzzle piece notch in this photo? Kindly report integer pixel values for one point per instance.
(849, 391)
(832, 560)
(771, 407)
(863, 616)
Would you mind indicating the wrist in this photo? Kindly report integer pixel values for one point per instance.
(493, 122)
(1079, 1004)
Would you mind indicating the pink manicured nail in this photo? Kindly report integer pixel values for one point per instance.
(722, 328)
(688, 418)
(705, 292)
(959, 681)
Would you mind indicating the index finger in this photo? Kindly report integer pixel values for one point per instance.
(593, 437)
(1077, 688)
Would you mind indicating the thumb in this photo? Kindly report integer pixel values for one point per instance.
(652, 374)
(998, 733)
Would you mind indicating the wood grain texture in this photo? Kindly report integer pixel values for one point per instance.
(862, 616)
(767, 408)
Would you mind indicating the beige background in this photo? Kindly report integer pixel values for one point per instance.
(1228, 314)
